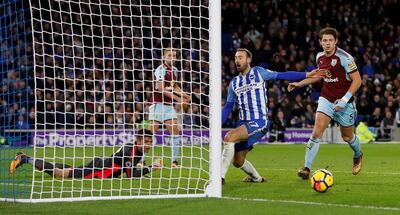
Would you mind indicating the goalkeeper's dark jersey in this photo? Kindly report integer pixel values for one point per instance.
(122, 161)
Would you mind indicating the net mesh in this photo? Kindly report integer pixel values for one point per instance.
(16, 93)
(95, 79)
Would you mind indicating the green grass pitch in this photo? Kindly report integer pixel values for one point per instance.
(375, 191)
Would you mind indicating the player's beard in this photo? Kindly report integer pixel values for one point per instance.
(240, 68)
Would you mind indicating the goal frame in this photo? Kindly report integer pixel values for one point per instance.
(214, 187)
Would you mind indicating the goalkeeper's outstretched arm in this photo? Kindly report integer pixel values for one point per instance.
(139, 170)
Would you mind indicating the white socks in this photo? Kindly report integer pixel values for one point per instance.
(249, 169)
(227, 156)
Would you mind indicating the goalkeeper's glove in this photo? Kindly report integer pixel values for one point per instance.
(157, 164)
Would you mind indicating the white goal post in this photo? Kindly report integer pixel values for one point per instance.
(94, 68)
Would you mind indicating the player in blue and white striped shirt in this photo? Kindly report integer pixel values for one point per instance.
(249, 91)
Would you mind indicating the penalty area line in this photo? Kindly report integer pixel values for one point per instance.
(313, 203)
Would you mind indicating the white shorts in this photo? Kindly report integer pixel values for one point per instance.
(160, 112)
(346, 117)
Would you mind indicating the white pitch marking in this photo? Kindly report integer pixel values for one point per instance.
(315, 203)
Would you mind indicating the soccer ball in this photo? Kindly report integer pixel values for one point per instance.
(321, 180)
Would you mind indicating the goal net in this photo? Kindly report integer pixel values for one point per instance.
(106, 71)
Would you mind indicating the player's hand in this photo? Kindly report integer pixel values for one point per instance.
(293, 86)
(178, 100)
(322, 73)
(140, 164)
(157, 164)
(169, 89)
(339, 105)
(317, 73)
(186, 98)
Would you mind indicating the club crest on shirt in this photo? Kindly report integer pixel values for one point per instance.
(328, 74)
(128, 164)
(333, 62)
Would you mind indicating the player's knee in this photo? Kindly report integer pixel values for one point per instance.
(153, 128)
(347, 138)
(175, 131)
(238, 163)
(229, 138)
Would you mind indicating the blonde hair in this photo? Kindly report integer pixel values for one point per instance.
(248, 53)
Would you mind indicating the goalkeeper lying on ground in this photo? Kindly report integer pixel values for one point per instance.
(127, 159)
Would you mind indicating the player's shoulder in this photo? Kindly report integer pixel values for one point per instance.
(160, 72)
(346, 60)
(259, 69)
(234, 79)
(343, 54)
(160, 67)
(319, 54)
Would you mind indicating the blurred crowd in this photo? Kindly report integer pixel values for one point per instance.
(98, 72)
(16, 66)
(94, 63)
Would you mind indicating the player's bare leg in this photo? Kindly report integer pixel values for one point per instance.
(154, 126)
(353, 141)
(173, 128)
(240, 161)
(234, 136)
(321, 122)
(62, 173)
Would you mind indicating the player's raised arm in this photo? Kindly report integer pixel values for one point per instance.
(312, 77)
(289, 75)
(302, 83)
(230, 101)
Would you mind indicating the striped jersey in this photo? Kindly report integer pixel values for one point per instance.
(250, 93)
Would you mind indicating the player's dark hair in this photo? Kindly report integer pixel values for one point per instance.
(165, 50)
(144, 133)
(248, 53)
(329, 31)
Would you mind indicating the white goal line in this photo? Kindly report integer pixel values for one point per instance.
(314, 203)
(248, 199)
